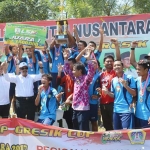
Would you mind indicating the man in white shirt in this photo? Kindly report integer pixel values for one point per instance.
(24, 89)
(4, 95)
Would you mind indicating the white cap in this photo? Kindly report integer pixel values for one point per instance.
(23, 64)
(148, 55)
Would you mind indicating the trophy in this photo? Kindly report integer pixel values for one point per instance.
(62, 25)
(61, 36)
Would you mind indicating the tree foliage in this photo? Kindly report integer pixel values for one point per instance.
(142, 6)
(27, 10)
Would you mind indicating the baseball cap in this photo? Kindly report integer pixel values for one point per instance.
(148, 55)
(23, 64)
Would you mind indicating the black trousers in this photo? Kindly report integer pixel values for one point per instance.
(4, 110)
(68, 117)
(25, 106)
(107, 115)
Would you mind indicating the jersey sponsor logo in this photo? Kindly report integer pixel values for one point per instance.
(118, 88)
(105, 81)
(137, 137)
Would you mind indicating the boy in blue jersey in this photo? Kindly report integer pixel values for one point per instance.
(96, 52)
(48, 97)
(56, 52)
(45, 58)
(30, 59)
(142, 114)
(122, 89)
(94, 98)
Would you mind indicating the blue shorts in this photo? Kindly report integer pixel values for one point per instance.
(46, 121)
(93, 112)
(122, 120)
(140, 123)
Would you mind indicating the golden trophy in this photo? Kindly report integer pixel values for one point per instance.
(62, 25)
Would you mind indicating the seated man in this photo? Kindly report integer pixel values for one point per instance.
(48, 97)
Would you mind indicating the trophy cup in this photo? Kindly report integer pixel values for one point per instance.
(62, 25)
(61, 35)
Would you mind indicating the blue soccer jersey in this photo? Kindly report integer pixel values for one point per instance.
(12, 65)
(48, 104)
(122, 98)
(143, 101)
(45, 62)
(93, 86)
(57, 58)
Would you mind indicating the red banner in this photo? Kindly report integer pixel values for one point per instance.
(21, 134)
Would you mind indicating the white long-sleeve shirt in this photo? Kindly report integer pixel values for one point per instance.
(4, 91)
(24, 85)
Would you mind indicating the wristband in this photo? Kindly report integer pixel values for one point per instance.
(132, 48)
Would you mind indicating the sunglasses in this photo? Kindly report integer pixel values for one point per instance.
(24, 68)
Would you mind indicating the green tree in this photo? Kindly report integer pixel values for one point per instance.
(27, 10)
(88, 8)
(141, 6)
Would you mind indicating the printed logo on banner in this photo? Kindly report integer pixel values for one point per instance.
(109, 137)
(137, 136)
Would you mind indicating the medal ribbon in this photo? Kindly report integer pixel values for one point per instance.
(47, 91)
(30, 63)
(143, 89)
(57, 51)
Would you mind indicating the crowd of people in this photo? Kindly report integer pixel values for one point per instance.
(75, 81)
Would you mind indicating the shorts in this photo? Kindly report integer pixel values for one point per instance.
(93, 112)
(46, 121)
(140, 123)
(122, 120)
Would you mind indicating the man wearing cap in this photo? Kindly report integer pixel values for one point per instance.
(24, 89)
(147, 57)
(125, 58)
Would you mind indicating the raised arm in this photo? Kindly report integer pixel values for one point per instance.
(101, 31)
(132, 54)
(33, 55)
(6, 49)
(38, 97)
(8, 76)
(71, 40)
(116, 43)
(76, 33)
(52, 44)
(49, 57)
(20, 46)
(37, 77)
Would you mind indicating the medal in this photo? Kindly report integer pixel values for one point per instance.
(56, 58)
(141, 99)
(142, 89)
(57, 52)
